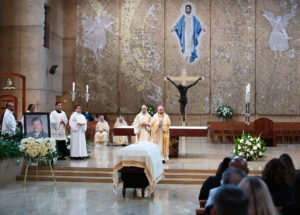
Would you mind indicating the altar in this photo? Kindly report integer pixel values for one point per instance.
(175, 133)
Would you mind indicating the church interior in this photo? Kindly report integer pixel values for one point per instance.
(113, 56)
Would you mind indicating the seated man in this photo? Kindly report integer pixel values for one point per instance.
(230, 200)
(120, 140)
(231, 175)
(37, 129)
(102, 132)
(239, 162)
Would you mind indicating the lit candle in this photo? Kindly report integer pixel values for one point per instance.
(87, 88)
(248, 89)
(73, 89)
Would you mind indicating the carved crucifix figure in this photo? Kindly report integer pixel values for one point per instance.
(183, 90)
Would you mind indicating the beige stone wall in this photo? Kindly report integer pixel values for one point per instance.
(233, 51)
(22, 51)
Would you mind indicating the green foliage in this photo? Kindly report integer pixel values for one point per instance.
(150, 109)
(224, 111)
(9, 146)
(249, 147)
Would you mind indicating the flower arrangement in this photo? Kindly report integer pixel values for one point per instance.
(9, 146)
(249, 147)
(39, 150)
(224, 111)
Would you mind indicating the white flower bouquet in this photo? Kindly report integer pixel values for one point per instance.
(39, 150)
(249, 147)
(224, 111)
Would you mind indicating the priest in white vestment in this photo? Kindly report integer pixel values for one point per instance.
(142, 124)
(160, 124)
(102, 132)
(78, 125)
(9, 123)
(58, 123)
(120, 140)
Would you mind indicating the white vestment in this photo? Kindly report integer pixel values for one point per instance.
(142, 132)
(58, 130)
(188, 35)
(160, 133)
(102, 137)
(121, 140)
(78, 127)
(9, 123)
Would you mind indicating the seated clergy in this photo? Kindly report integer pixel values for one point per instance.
(142, 124)
(102, 132)
(121, 140)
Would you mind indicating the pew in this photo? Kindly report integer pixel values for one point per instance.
(285, 131)
(227, 130)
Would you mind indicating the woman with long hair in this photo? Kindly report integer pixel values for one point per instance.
(261, 202)
(274, 175)
(214, 181)
(291, 172)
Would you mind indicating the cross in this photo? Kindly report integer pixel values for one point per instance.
(183, 78)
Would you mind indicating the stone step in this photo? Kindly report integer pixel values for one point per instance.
(101, 179)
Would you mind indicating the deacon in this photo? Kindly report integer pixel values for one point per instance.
(120, 140)
(9, 123)
(78, 125)
(160, 124)
(58, 123)
(102, 132)
(141, 124)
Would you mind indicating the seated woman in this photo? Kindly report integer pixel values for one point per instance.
(275, 176)
(261, 202)
(291, 172)
(214, 181)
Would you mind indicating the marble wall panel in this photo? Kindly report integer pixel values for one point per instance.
(97, 54)
(141, 54)
(232, 53)
(278, 73)
(175, 62)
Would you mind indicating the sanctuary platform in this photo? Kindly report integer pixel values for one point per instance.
(199, 160)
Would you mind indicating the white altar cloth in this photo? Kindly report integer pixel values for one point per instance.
(146, 155)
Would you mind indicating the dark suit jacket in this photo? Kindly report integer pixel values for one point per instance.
(41, 135)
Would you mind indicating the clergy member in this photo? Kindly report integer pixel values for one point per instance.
(142, 125)
(9, 123)
(78, 125)
(160, 124)
(58, 123)
(30, 109)
(102, 132)
(120, 140)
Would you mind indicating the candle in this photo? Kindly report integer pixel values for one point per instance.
(248, 89)
(73, 89)
(87, 88)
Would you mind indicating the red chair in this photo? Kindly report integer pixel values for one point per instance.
(264, 128)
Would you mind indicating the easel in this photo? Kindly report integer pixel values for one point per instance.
(36, 171)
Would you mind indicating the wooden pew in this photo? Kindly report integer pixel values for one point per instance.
(288, 130)
(227, 130)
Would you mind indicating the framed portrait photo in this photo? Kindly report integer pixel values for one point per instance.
(36, 125)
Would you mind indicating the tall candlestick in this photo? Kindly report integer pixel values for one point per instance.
(73, 88)
(87, 88)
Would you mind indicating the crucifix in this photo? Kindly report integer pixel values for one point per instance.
(182, 88)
